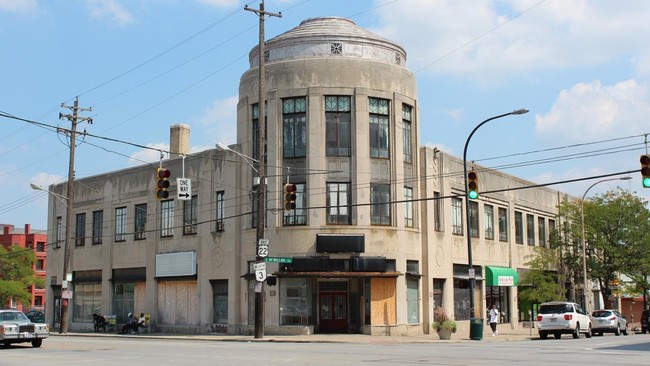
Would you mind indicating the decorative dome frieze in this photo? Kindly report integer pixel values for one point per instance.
(329, 37)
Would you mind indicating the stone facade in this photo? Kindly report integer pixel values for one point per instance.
(372, 248)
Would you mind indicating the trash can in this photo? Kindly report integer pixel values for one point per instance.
(476, 329)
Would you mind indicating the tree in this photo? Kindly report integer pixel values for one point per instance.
(616, 224)
(16, 274)
(615, 229)
(545, 284)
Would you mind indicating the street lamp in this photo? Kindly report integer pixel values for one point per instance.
(246, 158)
(63, 321)
(261, 223)
(63, 199)
(584, 244)
(471, 274)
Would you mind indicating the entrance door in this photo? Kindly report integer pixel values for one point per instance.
(333, 308)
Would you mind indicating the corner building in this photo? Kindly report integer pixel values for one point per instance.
(342, 126)
(376, 239)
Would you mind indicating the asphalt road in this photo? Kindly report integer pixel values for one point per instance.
(71, 350)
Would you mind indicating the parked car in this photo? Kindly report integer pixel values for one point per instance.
(645, 321)
(562, 317)
(35, 316)
(15, 327)
(608, 321)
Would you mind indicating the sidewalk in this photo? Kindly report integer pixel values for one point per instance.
(505, 335)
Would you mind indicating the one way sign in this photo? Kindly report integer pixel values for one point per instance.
(184, 188)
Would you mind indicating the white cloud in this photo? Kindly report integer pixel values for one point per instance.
(590, 111)
(147, 155)
(493, 39)
(45, 180)
(220, 120)
(18, 5)
(112, 9)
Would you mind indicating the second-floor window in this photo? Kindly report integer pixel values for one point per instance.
(489, 221)
(380, 204)
(473, 219)
(189, 216)
(167, 218)
(408, 205)
(98, 223)
(294, 126)
(530, 230)
(519, 227)
(140, 221)
(339, 197)
(503, 224)
(338, 122)
(457, 216)
(59, 232)
(298, 216)
(220, 214)
(80, 230)
(378, 109)
(120, 224)
(407, 112)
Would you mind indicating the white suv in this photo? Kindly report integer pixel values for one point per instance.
(561, 317)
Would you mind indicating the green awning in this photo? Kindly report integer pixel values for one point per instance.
(500, 276)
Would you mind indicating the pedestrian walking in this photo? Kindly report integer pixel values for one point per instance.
(494, 319)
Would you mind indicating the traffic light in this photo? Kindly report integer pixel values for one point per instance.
(472, 185)
(271, 280)
(162, 183)
(289, 196)
(645, 171)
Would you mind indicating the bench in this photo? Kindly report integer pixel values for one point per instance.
(111, 322)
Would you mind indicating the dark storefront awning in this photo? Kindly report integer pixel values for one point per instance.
(336, 274)
(500, 276)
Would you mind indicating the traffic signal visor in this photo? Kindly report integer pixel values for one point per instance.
(472, 185)
(289, 196)
(645, 171)
(162, 183)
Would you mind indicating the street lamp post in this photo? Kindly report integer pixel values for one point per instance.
(63, 321)
(471, 274)
(584, 244)
(261, 222)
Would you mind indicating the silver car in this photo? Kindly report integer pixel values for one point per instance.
(15, 327)
(608, 321)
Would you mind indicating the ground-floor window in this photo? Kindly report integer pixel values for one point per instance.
(220, 301)
(498, 296)
(413, 299)
(294, 309)
(87, 301)
(123, 300)
(461, 298)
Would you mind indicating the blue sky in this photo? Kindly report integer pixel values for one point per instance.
(582, 68)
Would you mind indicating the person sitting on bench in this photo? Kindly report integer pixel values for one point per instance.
(99, 322)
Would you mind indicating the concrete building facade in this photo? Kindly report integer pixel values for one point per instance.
(375, 242)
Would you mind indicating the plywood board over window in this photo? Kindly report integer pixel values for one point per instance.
(383, 301)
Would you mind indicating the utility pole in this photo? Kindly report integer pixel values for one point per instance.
(67, 247)
(261, 189)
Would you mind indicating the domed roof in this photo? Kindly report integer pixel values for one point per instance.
(329, 37)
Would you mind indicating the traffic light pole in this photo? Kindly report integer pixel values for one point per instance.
(471, 273)
(261, 188)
